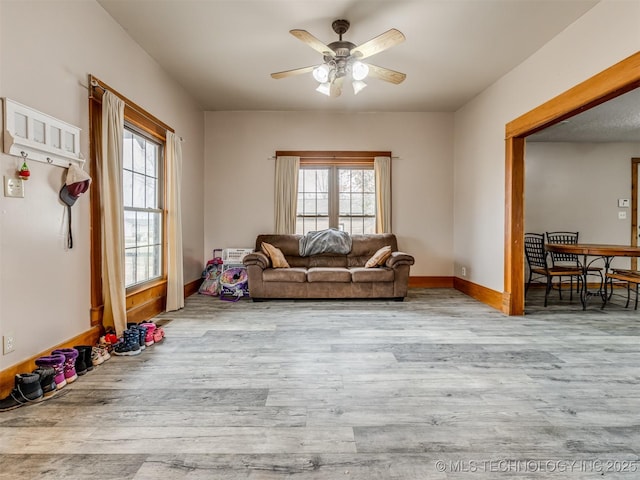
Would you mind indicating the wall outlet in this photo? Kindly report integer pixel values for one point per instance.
(13, 187)
(622, 215)
(463, 270)
(8, 343)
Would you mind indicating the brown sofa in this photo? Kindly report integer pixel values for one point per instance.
(328, 275)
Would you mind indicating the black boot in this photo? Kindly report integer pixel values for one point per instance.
(84, 359)
(80, 366)
(27, 390)
(47, 381)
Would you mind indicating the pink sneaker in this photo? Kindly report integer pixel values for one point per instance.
(149, 336)
(158, 335)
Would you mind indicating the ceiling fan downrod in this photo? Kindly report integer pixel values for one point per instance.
(340, 27)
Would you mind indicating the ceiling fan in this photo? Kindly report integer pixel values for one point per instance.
(342, 59)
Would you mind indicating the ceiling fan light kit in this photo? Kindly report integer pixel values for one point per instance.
(342, 59)
(358, 85)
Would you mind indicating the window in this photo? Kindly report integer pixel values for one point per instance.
(142, 201)
(336, 197)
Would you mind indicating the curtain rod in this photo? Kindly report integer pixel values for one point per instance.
(94, 83)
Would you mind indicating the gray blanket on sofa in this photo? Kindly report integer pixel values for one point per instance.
(325, 241)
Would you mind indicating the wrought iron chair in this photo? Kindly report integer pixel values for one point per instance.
(568, 259)
(538, 262)
(626, 278)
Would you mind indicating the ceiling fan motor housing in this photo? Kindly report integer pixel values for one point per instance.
(341, 49)
(340, 26)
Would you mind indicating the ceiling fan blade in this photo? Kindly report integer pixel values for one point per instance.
(386, 74)
(313, 42)
(378, 44)
(291, 73)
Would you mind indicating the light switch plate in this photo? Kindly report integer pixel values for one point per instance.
(623, 202)
(13, 187)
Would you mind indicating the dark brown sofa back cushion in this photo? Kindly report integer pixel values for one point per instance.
(362, 249)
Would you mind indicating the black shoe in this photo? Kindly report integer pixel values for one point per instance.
(80, 366)
(47, 381)
(84, 357)
(27, 390)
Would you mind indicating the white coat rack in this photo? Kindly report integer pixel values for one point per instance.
(40, 137)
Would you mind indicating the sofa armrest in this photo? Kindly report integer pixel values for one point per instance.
(399, 258)
(257, 258)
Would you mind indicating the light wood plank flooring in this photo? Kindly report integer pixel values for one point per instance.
(436, 387)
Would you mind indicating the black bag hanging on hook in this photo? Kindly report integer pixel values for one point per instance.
(76, 183)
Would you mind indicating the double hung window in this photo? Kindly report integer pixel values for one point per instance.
(335, 196)
(143, 209)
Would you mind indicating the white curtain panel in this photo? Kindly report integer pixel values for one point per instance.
(286, 192)
(110, 167)
(175, 274)
(382, 169)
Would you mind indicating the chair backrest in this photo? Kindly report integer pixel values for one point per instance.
(563, 237)
(534, 250)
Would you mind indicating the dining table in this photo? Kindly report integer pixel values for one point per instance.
(603, 251)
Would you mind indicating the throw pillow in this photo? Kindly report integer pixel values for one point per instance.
(275, 254)
(379, 257)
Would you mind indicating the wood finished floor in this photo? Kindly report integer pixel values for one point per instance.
(437, 387)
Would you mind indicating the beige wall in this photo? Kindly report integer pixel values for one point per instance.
(576, 186)
(239, 176)
(47, 51)
(603, 36)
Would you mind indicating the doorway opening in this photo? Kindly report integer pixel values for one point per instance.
(610, 83)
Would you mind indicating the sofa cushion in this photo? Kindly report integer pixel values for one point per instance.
(297, 275)
(379, 257)
(364, 246)
(327, 260)
(275, 254)
(328, 274)
(368, 275)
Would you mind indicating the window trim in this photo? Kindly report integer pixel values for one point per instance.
(144, 300)
(343, 157)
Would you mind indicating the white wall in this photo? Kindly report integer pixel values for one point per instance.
(47, 51)
(239, 177)
(603, 36)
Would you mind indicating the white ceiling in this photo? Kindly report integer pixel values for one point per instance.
(222, 51)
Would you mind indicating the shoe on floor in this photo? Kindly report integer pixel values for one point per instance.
(27, 390)
(142, 335)
(70, 356)
(84, 359)
(158, 335)
(99, 356)
(57, 363)
(130, 343)
(47, 381)
(151, 328)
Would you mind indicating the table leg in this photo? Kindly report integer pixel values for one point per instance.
(583, 291)
(605, 295)
(584, 294)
